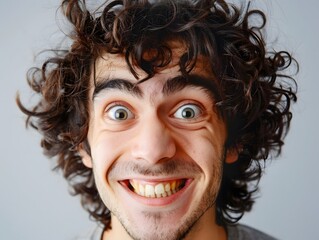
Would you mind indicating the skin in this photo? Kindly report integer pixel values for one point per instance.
(142, 135)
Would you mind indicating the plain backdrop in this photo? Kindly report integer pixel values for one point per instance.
(34, 201)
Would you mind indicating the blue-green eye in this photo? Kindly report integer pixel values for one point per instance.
(187, 111)
(119, 113)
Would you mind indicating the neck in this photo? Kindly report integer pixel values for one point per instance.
(206, 228)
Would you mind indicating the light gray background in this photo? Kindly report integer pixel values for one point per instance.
(34, 202)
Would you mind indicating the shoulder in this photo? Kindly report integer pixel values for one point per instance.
(243, 232)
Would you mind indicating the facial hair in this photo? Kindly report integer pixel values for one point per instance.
(156, 218)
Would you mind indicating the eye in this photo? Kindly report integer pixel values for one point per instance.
(187, 111)
(119, 113)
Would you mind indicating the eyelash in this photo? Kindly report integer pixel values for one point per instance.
(117, 104)
(185, 103)
(180, 107)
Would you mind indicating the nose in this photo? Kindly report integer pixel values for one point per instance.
(153, 141)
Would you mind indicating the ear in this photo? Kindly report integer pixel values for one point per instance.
(86, 158)
(232, 154)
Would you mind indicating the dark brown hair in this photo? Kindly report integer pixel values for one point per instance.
(253, 93)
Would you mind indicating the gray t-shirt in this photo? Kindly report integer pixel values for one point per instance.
(243, 232)
(235, 232)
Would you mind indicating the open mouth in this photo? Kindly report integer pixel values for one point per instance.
(156, 190)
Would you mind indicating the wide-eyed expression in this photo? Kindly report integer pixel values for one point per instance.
(157, 147)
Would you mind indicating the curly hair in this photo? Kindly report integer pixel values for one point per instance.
(253, 93)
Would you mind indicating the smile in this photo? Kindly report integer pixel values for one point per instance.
(156, 190)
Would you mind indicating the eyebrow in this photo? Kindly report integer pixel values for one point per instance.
(171, 86)
(180, 82)
(120, 84)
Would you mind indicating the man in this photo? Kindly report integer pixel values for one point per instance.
(160, 114)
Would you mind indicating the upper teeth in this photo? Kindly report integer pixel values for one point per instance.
(159, 190)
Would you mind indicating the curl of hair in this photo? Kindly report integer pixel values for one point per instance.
(253, 93)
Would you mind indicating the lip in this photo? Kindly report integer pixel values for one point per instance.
(162, 201)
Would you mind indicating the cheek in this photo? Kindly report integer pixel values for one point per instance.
(106, 149)
(205, 147)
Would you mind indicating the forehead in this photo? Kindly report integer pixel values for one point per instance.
(111, 66)
(112, 74)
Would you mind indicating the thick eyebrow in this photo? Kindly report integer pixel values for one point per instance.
(120, 84)
(171, 86)
(178, 83)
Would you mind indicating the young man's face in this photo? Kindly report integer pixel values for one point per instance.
(156, 150)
